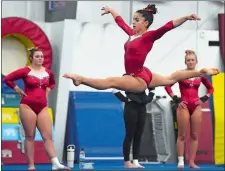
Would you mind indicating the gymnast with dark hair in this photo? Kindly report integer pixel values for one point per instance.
(38, 83)
(189, 109)
(134, 120)
(138, 78)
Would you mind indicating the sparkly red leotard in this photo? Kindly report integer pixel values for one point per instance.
(189, 91)
(136, 50)
(35, 84)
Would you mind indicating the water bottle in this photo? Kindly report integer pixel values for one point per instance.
(3, 101)
(81, 158)
(70, 155)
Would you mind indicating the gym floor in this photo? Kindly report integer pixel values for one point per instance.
(118, 165)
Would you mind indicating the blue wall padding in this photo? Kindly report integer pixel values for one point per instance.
(95, 123)
(212, 109)
(10, 133)
(6, 89)
(11, 100)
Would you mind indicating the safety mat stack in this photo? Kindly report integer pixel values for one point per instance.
(95, 123)
(218, 106)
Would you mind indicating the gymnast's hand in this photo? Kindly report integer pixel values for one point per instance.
(179, 102)
(182, 105)
(176, 99)
(201, 100)
(106, 10)
(204, 98)
(19, 91)
(193, 17)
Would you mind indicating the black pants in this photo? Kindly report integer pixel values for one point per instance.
(134, 118)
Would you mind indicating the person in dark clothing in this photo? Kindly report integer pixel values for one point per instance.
(134, 119)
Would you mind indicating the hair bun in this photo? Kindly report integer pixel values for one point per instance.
(151, 8)
(29, 49)
(32, 48)
(189, 52)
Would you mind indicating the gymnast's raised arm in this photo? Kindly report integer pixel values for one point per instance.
(158, 33)
(120, 22)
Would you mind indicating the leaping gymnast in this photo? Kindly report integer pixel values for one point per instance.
(140, 42)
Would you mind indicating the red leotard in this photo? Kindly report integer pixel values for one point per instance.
(137, 50)
(35, 84)
(189, 91)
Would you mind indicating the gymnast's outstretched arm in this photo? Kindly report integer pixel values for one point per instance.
(120, 22)
(158, 33)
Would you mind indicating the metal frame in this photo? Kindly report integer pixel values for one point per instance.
(159, 129)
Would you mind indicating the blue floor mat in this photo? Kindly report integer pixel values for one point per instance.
(118, 165)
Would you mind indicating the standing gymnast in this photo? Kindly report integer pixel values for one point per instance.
(39, 81)
(134, 119)
(189, 109)
(140, 43)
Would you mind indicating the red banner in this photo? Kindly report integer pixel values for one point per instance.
(205, 152)
(221, 18)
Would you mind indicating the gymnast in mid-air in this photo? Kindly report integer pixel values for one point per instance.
(138, 78)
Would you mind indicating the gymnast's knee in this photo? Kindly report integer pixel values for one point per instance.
(194, 136)
(47, 137)
(29, 138)
(181, 137)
